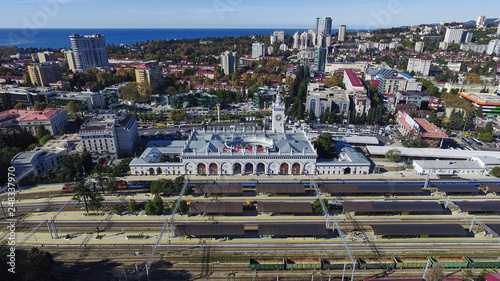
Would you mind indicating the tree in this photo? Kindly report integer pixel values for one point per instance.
(178, 115)
(41, 131)
(73, 108)
(45, 139)
(183, 207)
(112, 184)
(479, 111)
(19, 105)
(95, 201)
(118, 209)
(473, 78)
(326, 146)
(436, 273)
(161, 186)
(40, 106)
(317, 208)
(34, 264)
(150, 209)
(393, 155)
(132, 206)
(496, 171)
(82, 192)
(411, 140)
(158, 205)
(325, 116)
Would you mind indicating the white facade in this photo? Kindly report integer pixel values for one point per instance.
(454, 66)
(474, 48)
(296, 40)
(273, 39)
(324, 25)
(419, 46)
(228, 62)
(280, 35)
(481, 22)
(475, 165)
(108, 134)
(494, 47)
(240, 152)
(41, 159)
(278, 122)
(342, 29)
(319, 99)
(418, 65)
(258, 50)
(453, 35)
(305, 40)
(89, 51)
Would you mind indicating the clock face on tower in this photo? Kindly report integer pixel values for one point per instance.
(278, 117)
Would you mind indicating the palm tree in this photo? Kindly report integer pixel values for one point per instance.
(112, 183)
(82, 193)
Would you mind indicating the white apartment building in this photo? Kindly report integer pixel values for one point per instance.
(422, 66)
(453, 35)
(258, 50)
(494, 47)
(53, 119)
(228, 61)
(320, 98)
(419, 46)
(342, 29)
(89, 51)
(110, 134)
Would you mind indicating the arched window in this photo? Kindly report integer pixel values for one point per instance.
(202, 169)
(296, 169)
(213, 169)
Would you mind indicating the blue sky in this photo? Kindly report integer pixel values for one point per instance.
(236, 13)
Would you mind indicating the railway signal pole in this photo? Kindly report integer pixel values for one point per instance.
(165, 227)
(336, 224)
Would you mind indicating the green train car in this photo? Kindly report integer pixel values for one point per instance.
(372, 263)
(267, 264)
(483, 262)
(409, 262)
(376, 263)
(450, 262)
(303, 263)
(338, 263)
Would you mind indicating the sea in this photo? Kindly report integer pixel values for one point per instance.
(57, 38)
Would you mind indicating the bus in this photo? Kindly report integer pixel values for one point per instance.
(161, 126)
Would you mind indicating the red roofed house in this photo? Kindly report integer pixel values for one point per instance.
(53, 119)
(431, 135)
(353, 83)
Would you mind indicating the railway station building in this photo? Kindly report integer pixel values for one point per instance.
(243, 152)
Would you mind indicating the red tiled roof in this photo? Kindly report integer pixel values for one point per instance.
(430, 130)
(355, 81)
(29, 115)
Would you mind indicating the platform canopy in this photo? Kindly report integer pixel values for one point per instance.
(474, 206)
(452, 230)
(216, 208)
(289, 188)
(493, 187)
(284, 207)
(457, 188)
(392, 207)
(218, 189)
(214, 230)
(381, 188)
(293, 230)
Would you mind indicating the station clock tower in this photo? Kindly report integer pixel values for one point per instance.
(278, 124)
